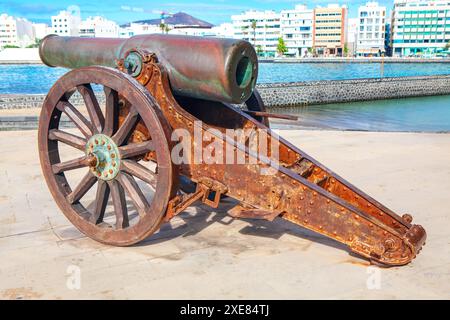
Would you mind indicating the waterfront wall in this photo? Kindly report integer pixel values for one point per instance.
(308, 93)
(357, 60)
(339, 91)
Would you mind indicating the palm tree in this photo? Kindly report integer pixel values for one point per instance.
(162, 26)
(253, 26)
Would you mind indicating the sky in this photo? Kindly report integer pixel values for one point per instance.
(123, 11)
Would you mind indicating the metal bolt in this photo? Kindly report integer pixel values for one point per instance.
(389, 244)
(407, 218)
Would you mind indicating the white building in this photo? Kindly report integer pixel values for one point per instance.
(66, 24)
(15, 31)
(98, 27)
(143, 28)
(266, 33)
(352, 35)
(420, 27)
(296, 29)
(191, 31)
(371, 33)
(126, 32)
(41, 30)
(224, 30)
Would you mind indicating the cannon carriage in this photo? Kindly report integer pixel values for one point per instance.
(161, 87)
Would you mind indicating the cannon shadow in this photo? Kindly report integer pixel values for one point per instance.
(189, 224)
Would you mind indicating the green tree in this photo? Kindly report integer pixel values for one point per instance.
(167, 29)
(345, 50)
(162, 26)
(253, 26)
(281, 47)
(36, 44)
(10, 46)
(259, 50)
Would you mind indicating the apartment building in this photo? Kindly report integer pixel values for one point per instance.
(330, 30)
(98, 27)
(66, 23)
(15, 31)
(420, 27)
(224, 30)
(371, 30)
(296, 30)
(352, 35)
(261, 28)
(41, 30)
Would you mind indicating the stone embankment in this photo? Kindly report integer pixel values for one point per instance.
(308, 93)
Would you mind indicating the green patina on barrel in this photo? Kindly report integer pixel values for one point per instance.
(206, 68)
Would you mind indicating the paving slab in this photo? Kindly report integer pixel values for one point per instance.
(205, 254)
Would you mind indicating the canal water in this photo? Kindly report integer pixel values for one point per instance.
(427, 114)
(293, 72)
(424, 114)
(36, 79)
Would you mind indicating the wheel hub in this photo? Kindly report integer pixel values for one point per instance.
(107, 164)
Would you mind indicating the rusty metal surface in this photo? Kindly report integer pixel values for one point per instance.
(206, 68)
(302, 190)
(299, 189)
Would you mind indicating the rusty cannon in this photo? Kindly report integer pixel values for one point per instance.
(157, 131)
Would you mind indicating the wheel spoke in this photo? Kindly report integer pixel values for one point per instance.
(126, 128)
(67, 138)
(82, 188)
(101, 201)
(134, 192)
(111, 111)
(93, 108)
(136, 149)
(120, 204)
(77, 118)
(139, 171)
(77, 163)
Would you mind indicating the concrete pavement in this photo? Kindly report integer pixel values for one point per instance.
(204, 253)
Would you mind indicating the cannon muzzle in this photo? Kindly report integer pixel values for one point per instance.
(206, 68)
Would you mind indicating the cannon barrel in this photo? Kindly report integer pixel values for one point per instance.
(206, 68)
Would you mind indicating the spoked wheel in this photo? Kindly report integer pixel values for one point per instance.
(131, 197)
